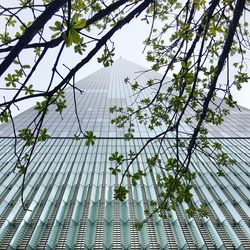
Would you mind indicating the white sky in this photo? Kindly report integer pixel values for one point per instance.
(128, 44)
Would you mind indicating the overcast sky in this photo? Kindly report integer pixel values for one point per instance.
(129, 45)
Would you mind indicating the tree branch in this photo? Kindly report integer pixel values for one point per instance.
(30, 33)
(55, 42)
(240, 5)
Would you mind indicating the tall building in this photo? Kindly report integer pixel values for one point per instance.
(69, 188)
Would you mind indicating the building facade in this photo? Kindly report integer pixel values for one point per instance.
(69, 189)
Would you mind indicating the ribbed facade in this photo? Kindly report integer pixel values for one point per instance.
(69, 187)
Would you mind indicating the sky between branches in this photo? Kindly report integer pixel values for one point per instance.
(128, 45)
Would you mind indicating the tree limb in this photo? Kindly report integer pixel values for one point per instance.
(30, 33)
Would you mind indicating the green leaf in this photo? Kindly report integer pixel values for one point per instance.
(12, 79)
(80, 24)
(43, 135)
(41, 106)
(37, 50)
(61, 105)
(138, 225)
(27, 135)
(135, 86)
(29, 90)
(120, 193)
(89, 135)
(10, 21)
(76, 137)
(26, 66)
(116, 157)
(133, 182)
(107, 57)
(115, 171)
(4, 117)
(74, 19)
(22, 169)
(183, 64)
(220, 173)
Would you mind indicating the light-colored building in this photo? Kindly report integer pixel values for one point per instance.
(69, 188)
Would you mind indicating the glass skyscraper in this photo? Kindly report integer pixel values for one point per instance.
(69, 188)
